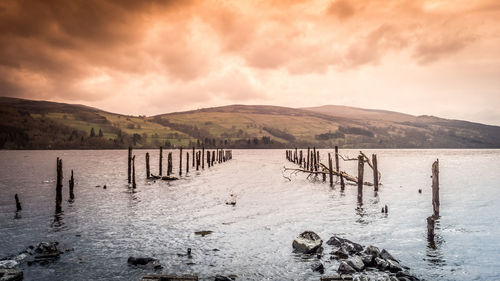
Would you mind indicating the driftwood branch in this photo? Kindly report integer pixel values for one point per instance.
(366, 160)
(326, 171)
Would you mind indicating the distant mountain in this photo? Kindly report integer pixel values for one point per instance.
(27, 124)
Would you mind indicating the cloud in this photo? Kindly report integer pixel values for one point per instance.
(342, 9)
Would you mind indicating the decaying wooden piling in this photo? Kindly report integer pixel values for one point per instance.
(342, 184)
(129, 164)
(148, 174)
(315, 163)
(208, 159)
(300, 158)
(430, 228)
(213, 157)
(375, 172)
(133, 173)
(18, 203)
(337, 159)
(308, 158)
(59, 184)
(169, 164)
(361, 164)
(187, 163)
(435, 188)
(160, 172)
(71, 187)
(197, 160)
(296, 156)
(330, 169)
(180, 161)
(203, 157)
(194, 156)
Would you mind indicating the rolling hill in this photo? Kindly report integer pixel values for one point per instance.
(27, 124)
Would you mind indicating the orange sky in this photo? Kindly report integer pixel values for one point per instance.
(152, 56)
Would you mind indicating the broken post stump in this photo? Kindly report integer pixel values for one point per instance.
(133, 173)
(169, 164)
(213, 157)
(59, 185)
(129, 164)
(148, 174)
(187, 163)
(18, 203)
(337, 159)
(193, 154)
(160, 172)
(435, 187)
(308, 158)
(197, 160)
(342, 184)
(208, 159)
(361, 162)
(203, 157)
(430, 228)
(330, 169)
(71, 187)
(375, 172)
(180, 161)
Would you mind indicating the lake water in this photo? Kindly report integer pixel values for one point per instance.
(253, 238)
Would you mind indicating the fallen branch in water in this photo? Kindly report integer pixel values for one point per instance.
(326, 171)
(366, 160)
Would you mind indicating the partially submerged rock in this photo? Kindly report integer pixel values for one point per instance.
(8, 264)
(344, 267)
(307, 242)
(162, 277)
(11, 275)
(319, 267)
(348, 245)
(144, 261)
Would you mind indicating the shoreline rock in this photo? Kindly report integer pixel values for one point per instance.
(307, 242)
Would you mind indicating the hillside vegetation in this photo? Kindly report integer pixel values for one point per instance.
(29, 124)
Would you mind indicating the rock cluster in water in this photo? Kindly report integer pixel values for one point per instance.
(356, 262)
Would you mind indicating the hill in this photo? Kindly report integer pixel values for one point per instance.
(27, 124)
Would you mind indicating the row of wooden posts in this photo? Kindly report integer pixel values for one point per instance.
(312, 163)
(212, 157)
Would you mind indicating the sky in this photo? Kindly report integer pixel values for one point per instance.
(150, 57)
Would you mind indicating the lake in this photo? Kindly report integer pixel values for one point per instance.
(253, 239)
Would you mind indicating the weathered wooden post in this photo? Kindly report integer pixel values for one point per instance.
(342, 184)
(133, 173)
(180, 161)
(295, 160)
(198, 160)
(208, 158)
(308, 158)
(337, 159)
(161, 161)
(315, 163)
(203, 157)
(300, 158)
(361, 166)
(213, 157)
(18, 204)
(193, 154)
(330, 169)
(187, 163)
(59, 185)
(430, 228)
(148, 174)
(71, 187)
(169, 164)
(129, 164)
(435, 188)
(375, 172)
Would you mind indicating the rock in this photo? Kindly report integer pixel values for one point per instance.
(356, 262)
(21, 257)
(331, 278)
(308, 242)
(368, 260)
(381, 264)
(372, 250)
(318, 267)
(344, 267)
(46, 247)
(144, 261)
(383, 277)
(362, 277)
(8, 264)
(339, 254)
(161, 277)
(346, 276)
(401, 275)
(348, 245)
(222, 278)
(394, 266)
(386, 256)
(11, 275)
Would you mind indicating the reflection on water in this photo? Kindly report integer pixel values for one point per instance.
(253, 238)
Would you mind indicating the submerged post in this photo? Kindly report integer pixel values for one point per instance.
(213, 157)
(342, 184)
(59, 185)
(337, 158)
(375, 172)
(361, 163)
(198, 160)
(203, 157)
(18, 204)
(129, 163)
(208, 158)
(435, 187)
(180, 161)
(308, 158)
(169, 164)
(161, 161)
(330, 169)
(187, 163)
(193, 154)
(148, 174)
(133, 173)
(315, 163)
(71, 186)
(430, 228)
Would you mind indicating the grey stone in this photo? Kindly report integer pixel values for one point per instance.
(318, 267)
(381, 264)
(362, 277)
(394, 266)
(8, 264)
(386, 256)
(372, 250)
(344, 267)
(11, 275)
(335, 277)
(307, 242)
(340, 242)
(356, 262)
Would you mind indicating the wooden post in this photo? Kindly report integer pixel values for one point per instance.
(208, 159)
(198, 160)
(203, 157)
(430, 228)
(71, 186)
(133, 173)
(148, 174)
(342, 184)
(161, 161)
(300, 158)
(330, 169)
(169, 164)
(375, 172)
(59, 185)
(193, 154)
(180, 161)
(435, 188)
(315, 163)
(337, 159)
(213, 157)
(361, 166)
(18, 204)
(129, 164)
(295, 160)
(308, 158)
(187, 163)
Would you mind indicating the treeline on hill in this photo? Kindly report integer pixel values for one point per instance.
(19, 130)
